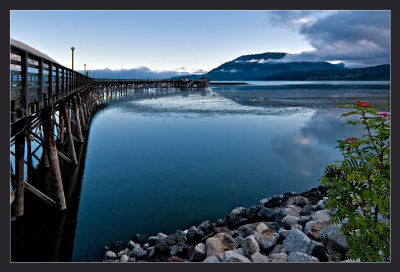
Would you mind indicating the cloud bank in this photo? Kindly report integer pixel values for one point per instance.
(135, 73)
(357, 38)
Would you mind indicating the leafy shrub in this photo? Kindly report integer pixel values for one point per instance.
(359, 186)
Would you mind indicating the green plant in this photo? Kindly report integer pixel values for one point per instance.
(359, 186)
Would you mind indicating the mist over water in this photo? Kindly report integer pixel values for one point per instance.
(157, 165)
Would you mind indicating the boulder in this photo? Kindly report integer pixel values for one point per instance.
(194, 235)
(233, 257)
(277, 249)
(289, 220)
(252, 213)
(220, 222)
(246, 230)
(162, 247)
(334, 241)
(206, 227)
(318, 251)
(124, 258)
(257, 257)
(110, 255)
(219, 243)
(178, 236)
(223, 230)
(211, 259)
(296, 226)
(283, 234)
(240, 251)
(123, 252)
(308, 210)
(285, 212)
(152, 240)
(278, 258)
(297, 200)
(235, 217)
(176, 250)
(250, 246)
(266, 214)
(303, 221)
(238, 240)
(267, 239)
(260, 227)
(313, 228)
(140, 238)
(321, 215)
(198, 253)
(297, 241)
(299, 257)
(162, 235)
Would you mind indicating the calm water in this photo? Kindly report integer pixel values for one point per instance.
(156, 165)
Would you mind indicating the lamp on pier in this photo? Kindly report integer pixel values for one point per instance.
(72, 49)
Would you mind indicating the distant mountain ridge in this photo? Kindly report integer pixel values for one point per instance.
(273, 66)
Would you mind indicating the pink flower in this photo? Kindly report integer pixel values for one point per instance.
(363, 104)
(384, 114)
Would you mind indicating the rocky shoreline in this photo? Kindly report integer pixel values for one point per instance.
(289, 227)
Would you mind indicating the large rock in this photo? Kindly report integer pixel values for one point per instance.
(257, 257)
(334, 241)
(206, 227)
(297, 200)
(308, 210)
(299, 257)
(219, 243)
(211, 259)
(176, 250)
(289, 220)
(278, 258)
(162, 247)
(223, 230)
(110, 255)
(194, 235)
(233, 257)
(124, 258)
(252, 213)
(234, 219)
(297, 241)
(246, 230)
(321, 215)
(267, 239)
(178, 236)
(277, 249)
(198, 253)
(313, 228)
(260, 227)
(291, 210)
(318, 250)
(250, 246)
(266, 214)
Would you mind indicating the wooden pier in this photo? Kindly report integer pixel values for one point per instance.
(51, 108)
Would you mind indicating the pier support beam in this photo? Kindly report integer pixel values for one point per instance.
(81, 110)
(78, 122)
(19, 173)
(51, 151)
(71, 145)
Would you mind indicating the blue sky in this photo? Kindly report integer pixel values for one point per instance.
(194, 40)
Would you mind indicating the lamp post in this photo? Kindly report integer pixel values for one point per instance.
(85, 70)
(72, 49)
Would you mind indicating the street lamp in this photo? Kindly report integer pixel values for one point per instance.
(85, 70)
(72, 49)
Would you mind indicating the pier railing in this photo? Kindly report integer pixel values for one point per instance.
(37, 82)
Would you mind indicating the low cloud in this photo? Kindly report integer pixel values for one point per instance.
(357, 38)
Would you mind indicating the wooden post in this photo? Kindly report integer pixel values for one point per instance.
(51, 151)
(78, 122)
(40, 77)
(19, 173)
(29, 152)
(61, 127)
(81, 110)
(24, 77)
(69, 133)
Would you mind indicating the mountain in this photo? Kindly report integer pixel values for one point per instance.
(379, 72)
(260, 66)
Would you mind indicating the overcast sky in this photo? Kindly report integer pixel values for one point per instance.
(202, 40)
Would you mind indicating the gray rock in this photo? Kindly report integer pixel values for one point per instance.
(211, 259)
(178, 236)
(278, 258)
(151, 252)
(267, 214)
(333, 240)
(219, 243)
(321, 215)
(240, 251)
(289, 220)
(257, 257)
(206, 227)
(123, 252)
(233, 257)
(162, 235)
(308, 210)
(194, 235)
(176, 250)
(297, 200)
(246, 230)
(162, 246)
(131, 244)
(110, 255)
(299, 257)
(297, 226)
(260, 227)
(313, 228)
(153, 240)
(250, 246)
(277, 249)
(124, 259)
(145, 246)
(297, 241)
(318, 251)
(285, 212)
(238, 240)
(283, 234)
(267, 239)
(198, 253)
(224, 230)
(320, 205)
(234, 218)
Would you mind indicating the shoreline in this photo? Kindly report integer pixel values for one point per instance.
(289, 227)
